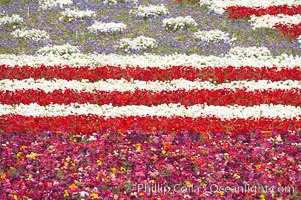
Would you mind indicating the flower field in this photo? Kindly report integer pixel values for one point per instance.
(149, 99)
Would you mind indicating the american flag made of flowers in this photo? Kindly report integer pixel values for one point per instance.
(211, 68)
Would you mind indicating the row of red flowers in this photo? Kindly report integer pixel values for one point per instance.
(219, 97)
(88, 124)
(235, 12)
(217, 74)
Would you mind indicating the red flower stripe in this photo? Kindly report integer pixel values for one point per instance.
(218, 74)
(88, 124)
(289, 30)
(219, 97)
(235, 12)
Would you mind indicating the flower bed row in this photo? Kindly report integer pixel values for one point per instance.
(131, 165)
(216, 74)
(221, 97)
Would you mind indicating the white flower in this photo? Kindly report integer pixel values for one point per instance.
(219, 5)
(213, 35)
(91, 138)
(76, 14)
(110, 2)
(149, 11)
(250, 52)
(123, 85)
(165, 110)
(83, 194)
(299, 39)
(270, 20)
(235, 58)
(45, 4)
(296, 144)
(11, 19)
(179, 23)
(34, 34)
(139, 43)
(276, 140)
(107, 27)
(58, 50)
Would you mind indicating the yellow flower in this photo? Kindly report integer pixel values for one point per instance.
(66, 193)
(15, 197)
(99, 162)
(138, 147)
(94, 196)
(236, 176)
(19, 154)
(163, 152)
(123, 169)
(113, 170)
(221, 193)
(73, 186)
(262, 197)
(188, 184)
(3, 176)
(258, 166)
(23, 147)
(32, 155)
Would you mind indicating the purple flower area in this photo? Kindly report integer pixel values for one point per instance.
(181, 41)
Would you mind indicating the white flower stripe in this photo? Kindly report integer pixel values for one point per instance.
(76, 14)
(124, 85)
(11, 19)
(45, 4)
(219, 5)
(213, 35)
(236, 58)
(166, 110)
(58, 50)
(139, 43)
(33, 34)
(271, 20)
(179, 22)
(148, 11)
(107, 27)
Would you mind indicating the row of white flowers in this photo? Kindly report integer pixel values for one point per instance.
(47, 4)
(113, 2)
(270, 20)
(219, 5)
(138, 43)
(213, 35)
(123, 85)
(179, 23)
(250, 52)
(167, 110)
(65, 49)
(238, 57)
(33, 34)
(149, 11)
(110, 27)
(11, 19)
(70, 15)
